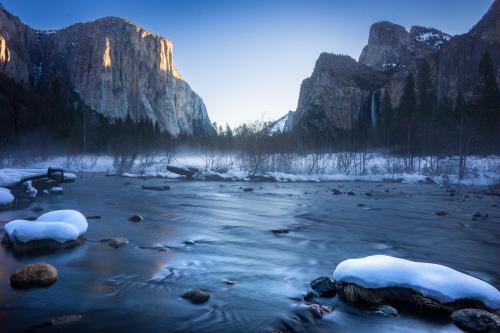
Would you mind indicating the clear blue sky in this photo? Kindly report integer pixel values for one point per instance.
(246, 59)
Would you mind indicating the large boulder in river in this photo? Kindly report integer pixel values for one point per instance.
(56, 230)
(34, 275)
(415, 286)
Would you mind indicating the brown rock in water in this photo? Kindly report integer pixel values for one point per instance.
(475, 320)
(196, 296)
(117, 242)
(318, 310)
(34, 275)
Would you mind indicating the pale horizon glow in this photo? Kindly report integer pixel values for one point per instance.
(247, 59)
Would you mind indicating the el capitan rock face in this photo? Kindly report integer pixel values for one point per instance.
(116, 67)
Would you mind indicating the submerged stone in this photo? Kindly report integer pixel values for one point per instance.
(476, 320)
(324, 286)
(196, 296)
(136, 218)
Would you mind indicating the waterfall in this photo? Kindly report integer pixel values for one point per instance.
(374, 110)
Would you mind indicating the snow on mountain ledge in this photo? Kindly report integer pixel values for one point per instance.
(435, 281)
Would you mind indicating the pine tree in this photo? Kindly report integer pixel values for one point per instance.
(427, 101)
(488, 103)
(387, 116)
(406, 111)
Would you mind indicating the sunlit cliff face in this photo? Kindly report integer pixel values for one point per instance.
(166, 58)
(106, 59)
(4, 50)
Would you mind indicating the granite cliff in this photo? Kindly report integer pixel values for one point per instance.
(116, 67)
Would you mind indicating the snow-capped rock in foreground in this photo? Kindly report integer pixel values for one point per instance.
(431, 280)
(60, 226)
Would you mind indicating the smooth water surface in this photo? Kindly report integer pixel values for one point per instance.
(199, 234)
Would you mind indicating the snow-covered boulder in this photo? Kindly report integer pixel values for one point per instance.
(6, 197)
(51, 231)
(384, 279)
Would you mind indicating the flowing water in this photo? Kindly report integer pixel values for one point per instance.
(199, 234)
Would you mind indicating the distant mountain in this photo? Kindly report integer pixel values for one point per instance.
(391, 46)
(282, 125)
(117, 68)
(343, 94)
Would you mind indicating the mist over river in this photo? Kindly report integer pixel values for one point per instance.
(271, 242)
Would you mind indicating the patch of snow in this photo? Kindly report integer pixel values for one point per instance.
(432, 280)
(56, 190)
(59, 225)
(26, 231)
(67, 216)
(327, 167)
(6, 197)
(282, 125)
(10, 177)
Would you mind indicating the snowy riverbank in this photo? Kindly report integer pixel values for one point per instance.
(286, 167)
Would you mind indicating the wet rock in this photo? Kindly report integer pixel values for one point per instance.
(34, 275)
(475, 320)
(428, 180)
(156, 188)
(94, 217)
(38, 247)
(351, 193)
(155, 247)
(324, 286)
(262, 178)
(188, 172)
(37, 209)
(229, 282)
(117, 242)
(248, 189)
(196, 296)
(280, 231)
(477, 216)
(189, 243)
(318, 310)
(386, 311)
(309, 296)
(441, 213)
(61, 320)
(336, 192)
(136, 218)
